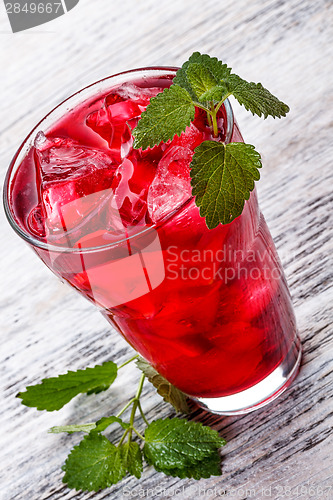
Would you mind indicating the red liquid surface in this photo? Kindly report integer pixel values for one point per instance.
(209, 309)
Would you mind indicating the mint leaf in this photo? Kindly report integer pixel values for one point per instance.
(99, 426)
(222, 178)
(72, 428)
(132, 458)
(169, 392)
(176, 444)
(210, 466)
(53, 393)
(94, 464)
(200, 79)
(217, 68)
(168, 114)
(207, 79)
(104, 422)
(218, 93)
(255, 98)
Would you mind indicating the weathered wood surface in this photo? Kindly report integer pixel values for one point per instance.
(48, 329)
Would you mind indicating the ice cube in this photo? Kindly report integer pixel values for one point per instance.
(130, 91)
(99, 122)
(132, 206)
(114, 124)
(119, 115)
(144, 171)
(171, 186)
(74, 181)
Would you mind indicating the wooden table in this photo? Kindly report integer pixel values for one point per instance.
(281, 451)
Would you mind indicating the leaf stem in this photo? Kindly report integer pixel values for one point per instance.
(138, 434)
(136, 404)
(201, 106)
(128, 361)
(217, 107)
(142, 414)
(136, 401)
(125, 407)
(214, 120)
(123, 436)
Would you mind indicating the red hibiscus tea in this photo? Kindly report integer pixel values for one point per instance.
(209, 309)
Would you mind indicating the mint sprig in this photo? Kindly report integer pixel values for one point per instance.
(206, 82)
(175, 447)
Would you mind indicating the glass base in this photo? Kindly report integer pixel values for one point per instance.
(260, 394)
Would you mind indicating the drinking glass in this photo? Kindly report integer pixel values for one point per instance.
(210, 310)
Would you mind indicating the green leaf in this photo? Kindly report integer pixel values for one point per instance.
(200, 79)
(94, 464)
(210, 466)
(132, 458)
(256, 98)
(168, 114)
(104, 422)
(218, 93)
(169, 392)
(176, 444)
(53, 393)
(72, 428)
(198, 74)
(99, 426)
(219, 71)
(222, 178)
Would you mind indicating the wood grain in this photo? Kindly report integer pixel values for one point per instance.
(47, 329)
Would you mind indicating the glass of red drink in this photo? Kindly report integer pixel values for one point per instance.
(209, 309)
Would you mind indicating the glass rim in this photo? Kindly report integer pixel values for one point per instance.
(16, 161)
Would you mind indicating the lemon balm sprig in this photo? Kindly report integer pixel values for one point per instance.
(205, 82)
(176, 447)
